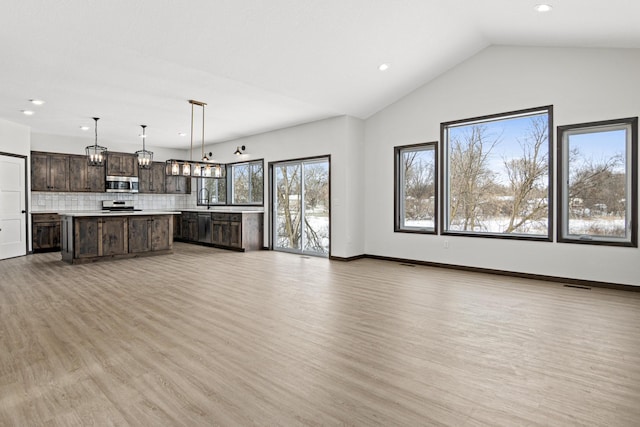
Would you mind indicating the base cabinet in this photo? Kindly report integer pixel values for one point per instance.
(45, 232)
(234, 230)
(150, 233)
(85, 239)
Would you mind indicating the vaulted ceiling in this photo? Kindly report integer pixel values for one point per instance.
(259, 65)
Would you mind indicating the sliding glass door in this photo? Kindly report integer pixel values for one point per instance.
(300, 206)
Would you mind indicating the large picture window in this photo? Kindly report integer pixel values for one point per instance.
(496, 177)
(598, 178)
(415, 192)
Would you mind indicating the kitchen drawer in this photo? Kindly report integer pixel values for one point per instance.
(45, 217)
(220, 216)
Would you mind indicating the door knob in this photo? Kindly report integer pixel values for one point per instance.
(23, 211)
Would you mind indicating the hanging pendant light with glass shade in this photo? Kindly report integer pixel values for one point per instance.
(145, 157)
(203, 168)
(96, 154)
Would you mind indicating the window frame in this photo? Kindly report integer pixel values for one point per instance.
(631, 167)
(398, 188)
(230, 181)
(201, 180)
(444, 177)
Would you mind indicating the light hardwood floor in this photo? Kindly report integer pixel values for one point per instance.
(211, 337)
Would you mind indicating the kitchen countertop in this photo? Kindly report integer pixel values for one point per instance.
(214, 210)
(115, 213)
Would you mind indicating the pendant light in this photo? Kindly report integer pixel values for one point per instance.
(96, 154)
(145, 157)
(202, 168)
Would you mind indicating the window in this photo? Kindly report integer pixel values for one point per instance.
(497, 175)
(415, 192)
(598, 180)
(213, 191)
(247, 183)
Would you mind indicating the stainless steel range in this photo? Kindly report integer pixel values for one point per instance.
(118, 206)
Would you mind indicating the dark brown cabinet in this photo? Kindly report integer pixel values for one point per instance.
(92, 238)
(176, 184)
(114, 236)
(45, 232)
(83, 177)
(100, 236)
(221, 234)
(177, 227)
(122, 164)
(152, 180)
(150, 233)
(233, 230)
(49, 172)
(190, 226)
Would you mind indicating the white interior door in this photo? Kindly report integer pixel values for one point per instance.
(13, 217)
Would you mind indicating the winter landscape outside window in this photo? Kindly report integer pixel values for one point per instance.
(496, 176)
(598, 182)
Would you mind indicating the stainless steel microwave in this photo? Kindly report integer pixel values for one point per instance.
(122, 184)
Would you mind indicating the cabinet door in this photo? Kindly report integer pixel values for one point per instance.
(140, 234)
(176, 184)
(220, 233)
(39, 172)
(78, 169)
(235, 234)
(86, 239)
(58, 172)
(162, 232)
(192, 229)
(49, 172)
(157, 177)
(46, 236)
(95, 179)
(177, 226)
(122, 164)
(144, 180)
(114, 236)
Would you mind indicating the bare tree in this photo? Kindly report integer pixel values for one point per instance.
(419, 185)
(526, 174)
(470, 175)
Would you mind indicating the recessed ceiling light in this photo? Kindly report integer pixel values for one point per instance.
(27, 112)
(36, 101)
(543, 8)
(383, 67)
(182, 134)
(85, 128)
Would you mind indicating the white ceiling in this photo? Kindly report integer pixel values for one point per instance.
(259, 65)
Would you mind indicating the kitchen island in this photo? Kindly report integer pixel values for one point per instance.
(96, 236)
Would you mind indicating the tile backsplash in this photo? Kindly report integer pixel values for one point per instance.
(50, 201)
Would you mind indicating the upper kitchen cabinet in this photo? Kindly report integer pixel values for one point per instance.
(177, 184)
(122, 164)
(84, 177)
(152, 180)
(49, 172)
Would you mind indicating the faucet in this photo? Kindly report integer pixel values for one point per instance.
(203, 200)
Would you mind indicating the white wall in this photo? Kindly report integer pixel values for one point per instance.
(339, 137)
(582, 84)
(14, 138)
